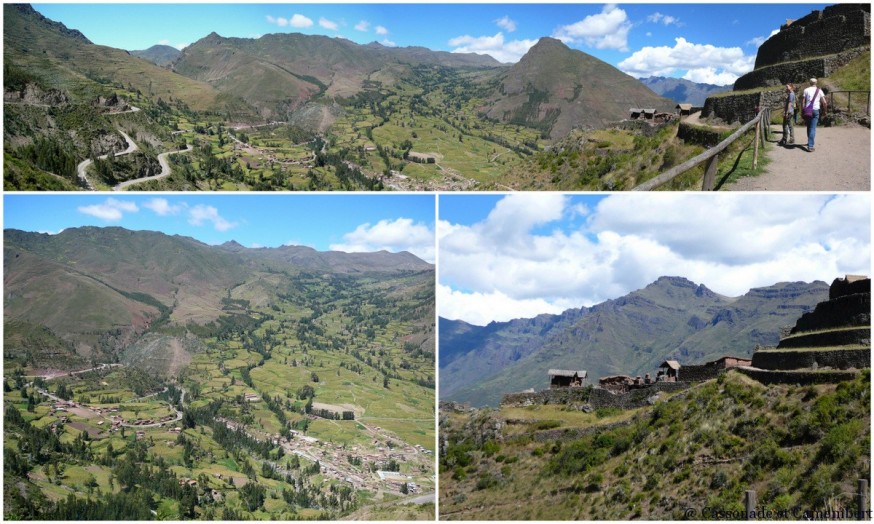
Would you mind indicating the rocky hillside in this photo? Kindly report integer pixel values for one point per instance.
(555, 88)
(671, 318)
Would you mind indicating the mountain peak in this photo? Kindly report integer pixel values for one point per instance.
(28, 11)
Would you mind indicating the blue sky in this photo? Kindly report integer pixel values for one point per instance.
(523, 254)
(324, 222)
(712, 43)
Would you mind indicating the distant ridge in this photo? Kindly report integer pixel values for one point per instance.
(161, 55)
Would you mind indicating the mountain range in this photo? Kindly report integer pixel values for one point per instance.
(682, 91)
(90, 292)
(672, 318)
(552, 88)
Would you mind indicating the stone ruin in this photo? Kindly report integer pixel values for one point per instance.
(830, 344)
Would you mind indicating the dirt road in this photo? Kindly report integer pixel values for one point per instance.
(841, 162)
(82, 168)
(165, 169)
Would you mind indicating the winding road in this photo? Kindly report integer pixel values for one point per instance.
(82, 168)
(165, 169)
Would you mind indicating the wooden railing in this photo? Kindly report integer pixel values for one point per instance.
(860, 95)
(711, 156)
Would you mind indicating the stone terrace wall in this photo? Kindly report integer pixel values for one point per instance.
(701, 372)
(740, 108)
(595, 397)
(804, 378)
(830, 338)
(547, 396)
(835, 358)
(635, 398)
(796, 72)
(845, 311)
(835, 29)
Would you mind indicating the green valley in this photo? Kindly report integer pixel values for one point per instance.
(220, 383)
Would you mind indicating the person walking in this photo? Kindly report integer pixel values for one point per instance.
(814, 102)
(789, 116)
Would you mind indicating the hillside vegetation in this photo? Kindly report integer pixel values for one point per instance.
(800, 449)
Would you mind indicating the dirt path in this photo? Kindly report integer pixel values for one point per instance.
(841, 162)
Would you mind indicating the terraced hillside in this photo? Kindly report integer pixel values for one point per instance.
(829, 344)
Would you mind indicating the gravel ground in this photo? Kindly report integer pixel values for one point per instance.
(841, 162)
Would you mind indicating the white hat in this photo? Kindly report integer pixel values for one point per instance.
(813, 80)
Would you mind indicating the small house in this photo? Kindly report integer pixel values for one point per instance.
(684, 109)
(563, 378)
(670, 370)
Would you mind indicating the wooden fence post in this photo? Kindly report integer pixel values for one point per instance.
(862, 513)
(750, 502)
(756, 146)
(710, 173)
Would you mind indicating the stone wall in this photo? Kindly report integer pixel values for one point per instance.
(547, 396)
(835, 29)
(740, 108)
(834, 358)
(803, 378)
(635, 398)
(700, 373)
(796, 72)
(845, 311)
(705, 136)
(830, 338)
(595, 397)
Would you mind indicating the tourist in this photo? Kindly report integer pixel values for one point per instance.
(789, 116)
(814, 99)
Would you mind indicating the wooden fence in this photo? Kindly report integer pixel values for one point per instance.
(860, 96)
(762, 123)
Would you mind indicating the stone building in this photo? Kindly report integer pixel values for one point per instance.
(563, 378)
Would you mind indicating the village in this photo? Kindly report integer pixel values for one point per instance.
(374, 467)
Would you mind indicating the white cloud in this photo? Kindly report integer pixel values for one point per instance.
(162, 207)
(300, 21)
(111, 210)
(179, 46)
(518, 259)
(495, 46)
(280, 21)
(482, 308)
(397, 235)
(200, 214)
(380, 30)
(328, 24)
(726, 64)
(605, 30)
(389, 43)
(759, 40)
(363, 25)
(664, 19)
(506, 23)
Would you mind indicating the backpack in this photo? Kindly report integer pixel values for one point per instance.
(807, 112)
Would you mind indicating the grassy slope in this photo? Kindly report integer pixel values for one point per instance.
(794, 446)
